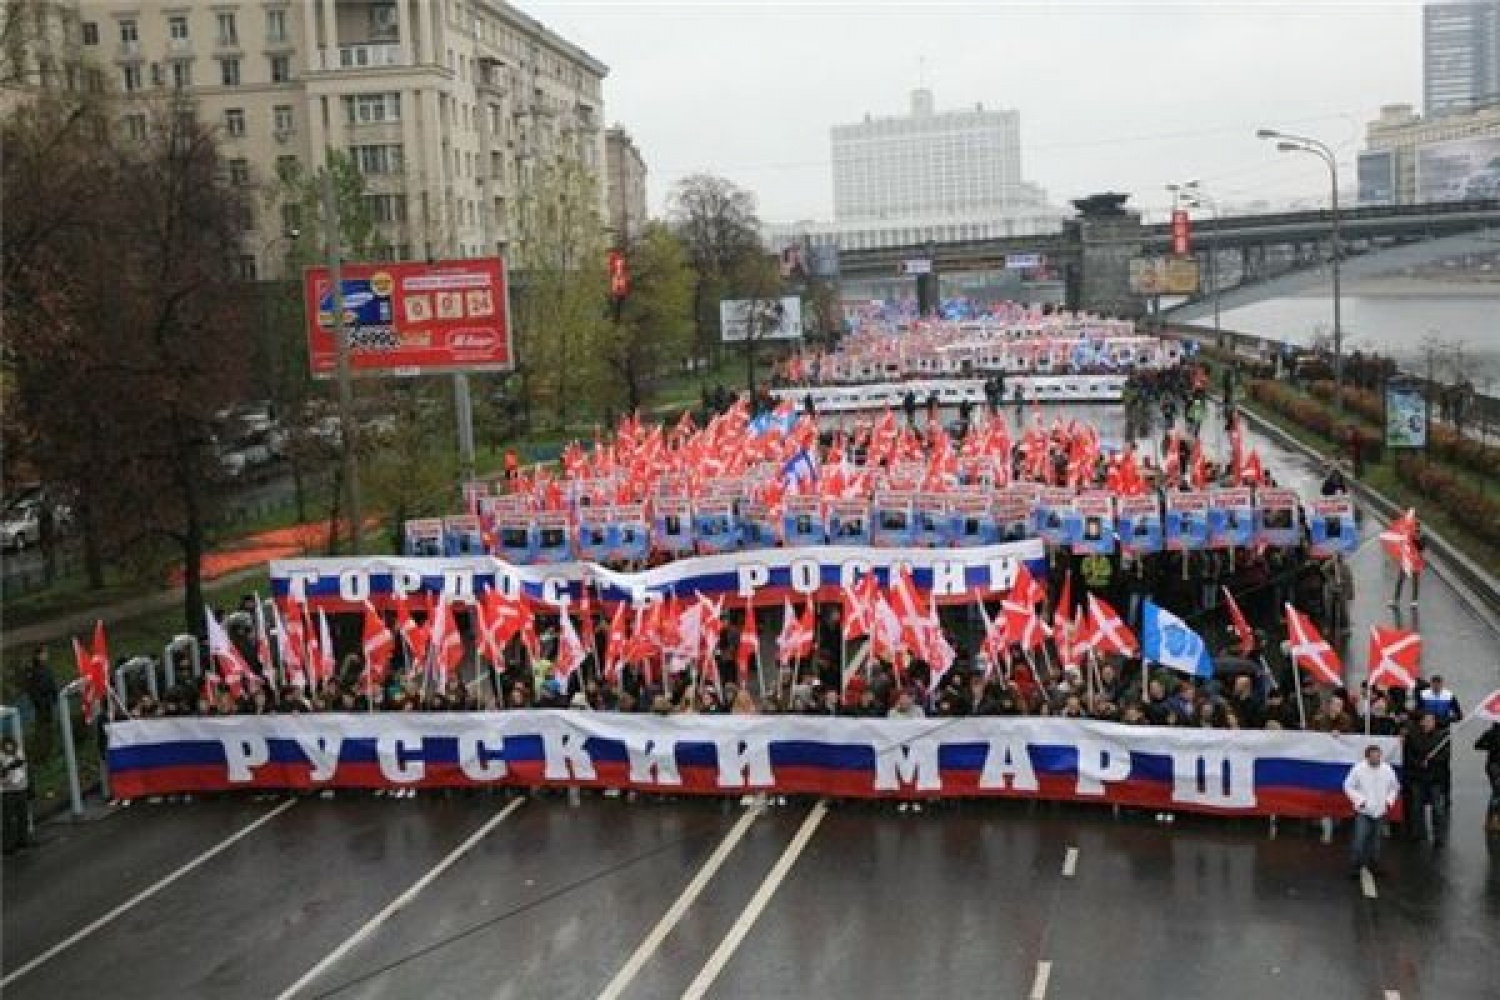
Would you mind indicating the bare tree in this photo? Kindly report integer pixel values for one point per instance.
(716, 220)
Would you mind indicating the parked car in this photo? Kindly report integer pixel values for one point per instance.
(21, 526)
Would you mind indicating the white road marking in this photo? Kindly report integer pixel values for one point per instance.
(396, 904)
(1070, 862)
(1039, 984)
(679, 908)
(757, 904)
(1367, 884)
(1392, 995)
(147, 893)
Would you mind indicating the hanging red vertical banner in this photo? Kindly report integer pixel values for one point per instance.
(619, 275)
(1182, 233)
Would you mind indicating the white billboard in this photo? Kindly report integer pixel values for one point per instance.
(760, 319)
(1459, 170)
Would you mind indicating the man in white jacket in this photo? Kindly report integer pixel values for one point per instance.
(1373, 788)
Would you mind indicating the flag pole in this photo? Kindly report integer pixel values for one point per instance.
(1297, 681)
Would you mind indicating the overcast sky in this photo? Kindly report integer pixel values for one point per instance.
(1112, 96)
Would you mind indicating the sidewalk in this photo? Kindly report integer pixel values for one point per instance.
(82, 622)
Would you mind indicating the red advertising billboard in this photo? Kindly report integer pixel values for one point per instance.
(409, 318)
(619, 275)
(1182, 233)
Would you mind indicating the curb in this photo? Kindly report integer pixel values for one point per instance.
(1477, 587)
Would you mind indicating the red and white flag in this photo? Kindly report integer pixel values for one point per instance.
(234, 673)
(749, 647)
(1241, 626)
(291, 646)
(377, 644)
(570, 651)
(1311, 651)
(263, 641)
(1107, 632)
(323, 662)
(1395, 658)
(615, 642)
(1400, 543)
(796, 639)
(859, 607)
(446, 651)
(93, 670)
(1489, 708)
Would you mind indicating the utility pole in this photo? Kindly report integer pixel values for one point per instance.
(348, 428)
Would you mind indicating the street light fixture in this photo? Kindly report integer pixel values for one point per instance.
(1288, 143)
(1202, 200)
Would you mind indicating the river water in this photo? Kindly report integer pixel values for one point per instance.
(1465, 327)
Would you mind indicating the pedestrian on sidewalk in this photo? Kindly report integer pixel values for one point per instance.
(1427, 757)
(41, 688)
(1373, 788)
(1415, 573)
(15, 798)
(1489, 745)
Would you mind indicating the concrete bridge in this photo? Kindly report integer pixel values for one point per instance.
(1091, 254)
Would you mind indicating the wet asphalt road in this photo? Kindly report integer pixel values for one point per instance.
(964, 900)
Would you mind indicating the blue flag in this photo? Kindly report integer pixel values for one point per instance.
(1166, 639)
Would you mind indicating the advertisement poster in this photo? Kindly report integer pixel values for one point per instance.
(1231, 519)
(408, 318)
(1330, 526)
(1187, 521)
(1096, 531)
(1139, 524)
(1405, 415)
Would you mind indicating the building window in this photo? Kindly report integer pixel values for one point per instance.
(130, 78)
(229, 72)
(291, 217)
(229, 32)
(129, 33)
(177, 29)
(378, 159)
(281, 69)
(135, 127)
(182, 74)
(285, 123)
(362, 109)
(90, 33)
(234, 122)
(93, 80)
(386, 207)
(276, 26)
(239, 172)
(245, 267)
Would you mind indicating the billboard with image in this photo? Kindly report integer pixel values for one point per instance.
(1459, 170)
(408, 318)
(760, 319)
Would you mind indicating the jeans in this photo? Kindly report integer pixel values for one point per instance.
(1424, 794)
(1364, 849)
(1416, 586)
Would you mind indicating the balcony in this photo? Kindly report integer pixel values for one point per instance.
(365, 57)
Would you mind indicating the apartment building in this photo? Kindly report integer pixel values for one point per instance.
(451, 108)
(625, 180)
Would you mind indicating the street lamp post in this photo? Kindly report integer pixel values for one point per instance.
(1287, 143)
(1201, 200)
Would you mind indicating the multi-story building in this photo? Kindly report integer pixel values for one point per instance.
(933, 175)
(625, 180)
(452, 109)
(1410, 158)
(1460, 56)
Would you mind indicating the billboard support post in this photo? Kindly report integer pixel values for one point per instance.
(463, 403)
(348, 430)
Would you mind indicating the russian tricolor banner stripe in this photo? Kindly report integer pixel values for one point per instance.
(1241, 773)
(764, 577)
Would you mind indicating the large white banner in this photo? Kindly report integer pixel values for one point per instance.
(1204, 770)
(760, 319)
